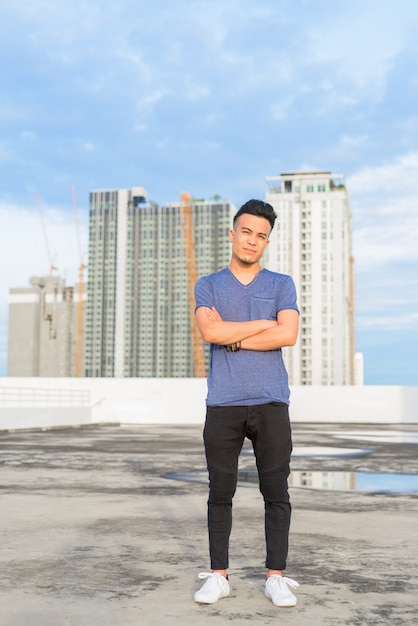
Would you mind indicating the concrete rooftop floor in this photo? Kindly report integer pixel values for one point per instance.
(94, 533)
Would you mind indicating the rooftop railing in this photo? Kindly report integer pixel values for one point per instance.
(38, 397)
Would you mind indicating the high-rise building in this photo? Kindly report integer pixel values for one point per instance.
(311, 241)
(44, 332)
(140, 281)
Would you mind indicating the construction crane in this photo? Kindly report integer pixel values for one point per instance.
(47, 314)
(80, 291)
(191, 277)
(48, 251)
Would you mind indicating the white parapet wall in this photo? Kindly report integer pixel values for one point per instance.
(355, 404)
(63, 402)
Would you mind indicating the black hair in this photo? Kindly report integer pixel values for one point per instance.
(258, 208)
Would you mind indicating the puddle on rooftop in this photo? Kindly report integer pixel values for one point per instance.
(377, 436)
(369, 482)
(319, 452)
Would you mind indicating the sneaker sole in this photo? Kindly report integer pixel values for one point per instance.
(224, 595)
(285, 604)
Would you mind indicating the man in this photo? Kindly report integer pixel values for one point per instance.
(248, 314)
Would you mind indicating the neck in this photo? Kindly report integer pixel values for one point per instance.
(245, 273)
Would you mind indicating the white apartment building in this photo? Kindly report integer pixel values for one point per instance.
(140, 283)
(311, 241)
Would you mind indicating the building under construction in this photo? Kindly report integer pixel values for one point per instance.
(143, 263)
(45, 336)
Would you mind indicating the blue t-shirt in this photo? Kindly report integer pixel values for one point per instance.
(246, 377)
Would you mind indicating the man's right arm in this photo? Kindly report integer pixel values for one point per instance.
(215, 330)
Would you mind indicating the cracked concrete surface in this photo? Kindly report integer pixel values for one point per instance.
(94, 533)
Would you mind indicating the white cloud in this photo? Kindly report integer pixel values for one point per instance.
(347, 147)
(381, 295)
(279, 110)
(213, 145)
(361, 41)
(47, 18)
(196, 92)
(140, 128)
(398, 178)
(385, 242)
(395, 323)
(150, 99)
(191, 47)
(12, 111)
(385, 209)
(27, 134)
(23, 250)
(6, 154)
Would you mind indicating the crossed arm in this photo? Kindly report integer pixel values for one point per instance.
(253, 335)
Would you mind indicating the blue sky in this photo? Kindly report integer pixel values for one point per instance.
(212, 97)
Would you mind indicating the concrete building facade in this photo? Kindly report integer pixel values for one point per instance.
(311, 241)
(139, 287)
(43, 329)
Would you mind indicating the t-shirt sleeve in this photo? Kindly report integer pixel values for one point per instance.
(203, 293)
(287, 298)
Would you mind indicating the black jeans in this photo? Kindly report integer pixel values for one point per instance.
(268, 428)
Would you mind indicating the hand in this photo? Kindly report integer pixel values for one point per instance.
(213, 314)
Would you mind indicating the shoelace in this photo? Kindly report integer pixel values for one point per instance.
(278, 580)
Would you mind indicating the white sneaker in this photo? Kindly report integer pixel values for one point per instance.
(215, 587)
(278, 592)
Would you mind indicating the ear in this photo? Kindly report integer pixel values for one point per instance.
(231, 235)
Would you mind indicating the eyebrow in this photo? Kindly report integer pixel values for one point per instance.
(266, 235)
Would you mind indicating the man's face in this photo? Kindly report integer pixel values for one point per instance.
(249, 238)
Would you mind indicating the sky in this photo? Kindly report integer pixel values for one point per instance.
(213, 96)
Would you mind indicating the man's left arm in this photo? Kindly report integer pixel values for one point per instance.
(285, 333)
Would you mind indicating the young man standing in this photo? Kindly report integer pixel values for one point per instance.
(248, 314)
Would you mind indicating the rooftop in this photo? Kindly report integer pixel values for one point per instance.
(96, 530)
